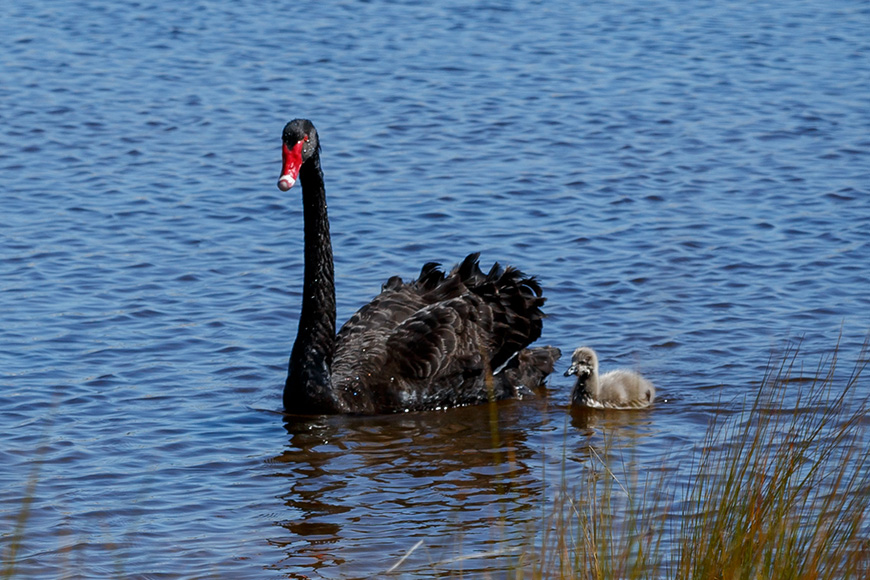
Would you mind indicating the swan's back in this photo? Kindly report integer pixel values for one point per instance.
(433, 342)
(625, 389)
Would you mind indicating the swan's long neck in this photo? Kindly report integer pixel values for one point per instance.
(593, 387)
(308, 378)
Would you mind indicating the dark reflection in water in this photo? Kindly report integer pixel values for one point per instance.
(388, 482)
(465, 489)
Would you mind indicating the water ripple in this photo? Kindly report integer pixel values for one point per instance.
(691, 188)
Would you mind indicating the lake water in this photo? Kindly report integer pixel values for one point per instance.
(690, 181)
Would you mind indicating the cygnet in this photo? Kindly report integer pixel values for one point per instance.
(619, 389)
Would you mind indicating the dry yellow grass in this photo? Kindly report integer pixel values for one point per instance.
(779, 491)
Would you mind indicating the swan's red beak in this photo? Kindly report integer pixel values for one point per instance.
(291, 166)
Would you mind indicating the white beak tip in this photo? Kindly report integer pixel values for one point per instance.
(285, 183)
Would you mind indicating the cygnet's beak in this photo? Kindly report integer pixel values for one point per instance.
(579, 369)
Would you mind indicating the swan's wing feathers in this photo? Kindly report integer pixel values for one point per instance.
(430, 277)
(503, 307)
(429, 343)
(381, 315)
(361, 344)
(515, 301)
(469, 270)
(426, 344)
(394, 283)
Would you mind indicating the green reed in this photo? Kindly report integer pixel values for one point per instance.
(780, 490)
(10, 555)
(787, 497)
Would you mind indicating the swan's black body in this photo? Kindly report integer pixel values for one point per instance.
(427, 344)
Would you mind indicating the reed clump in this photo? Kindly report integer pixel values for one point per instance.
(778, 490)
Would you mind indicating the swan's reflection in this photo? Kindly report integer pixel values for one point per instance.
(363, 490)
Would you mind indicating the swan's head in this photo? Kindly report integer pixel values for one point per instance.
(584, 363)
(300, 144)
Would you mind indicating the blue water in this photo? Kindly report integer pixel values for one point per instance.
(690, 181)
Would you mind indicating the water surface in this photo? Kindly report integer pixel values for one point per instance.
(690, 182)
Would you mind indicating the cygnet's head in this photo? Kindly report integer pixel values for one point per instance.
(584, 363)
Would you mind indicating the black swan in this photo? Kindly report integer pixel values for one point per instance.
(619, 389)
(436, 342)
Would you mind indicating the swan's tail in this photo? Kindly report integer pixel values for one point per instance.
(528, 370)
(514, 302)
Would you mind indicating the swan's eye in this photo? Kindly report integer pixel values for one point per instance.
(305, 138)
